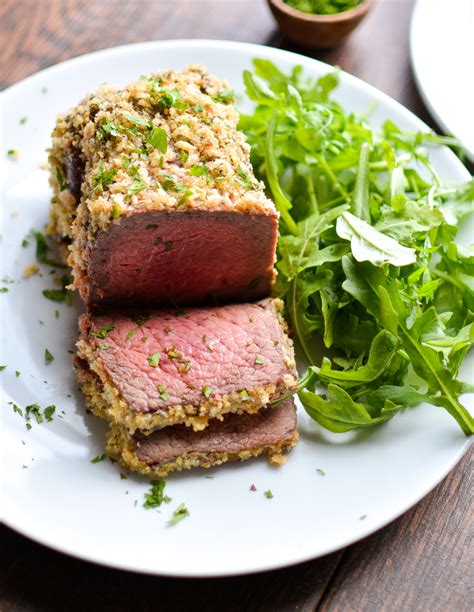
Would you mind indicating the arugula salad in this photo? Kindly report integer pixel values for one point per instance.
(378, 293)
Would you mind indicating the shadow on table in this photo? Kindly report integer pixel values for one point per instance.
(35, 578)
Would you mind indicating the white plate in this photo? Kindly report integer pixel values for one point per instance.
(441, 49)
(85, 509)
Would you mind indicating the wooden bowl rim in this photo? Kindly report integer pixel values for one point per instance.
(353, 13)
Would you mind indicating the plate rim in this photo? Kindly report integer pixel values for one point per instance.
(354, 81)
(419, 81)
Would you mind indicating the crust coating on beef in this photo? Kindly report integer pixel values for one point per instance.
(120, 447)
(205, 163)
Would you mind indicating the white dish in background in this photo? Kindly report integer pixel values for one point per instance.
(84, 509)
(442, 55)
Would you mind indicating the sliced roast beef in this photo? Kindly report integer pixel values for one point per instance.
(182, 257)
(239, 436)
(166, 367)
(154, 191)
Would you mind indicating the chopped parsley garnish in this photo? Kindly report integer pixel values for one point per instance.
(321, 472)
(183, 157)
(362, 517)
(17, 373)
(44, 90)
(154, 360)
(116, 211)
(244, 178)
(63, 184)
(4, 290)
(258, 360)
(198, 108)
(131, 333)
(158, 139)
(155, 497)
(57, 295)
(164, 395)
(168, 245)
(13, 153)
(103, 178)
(23, 120)
(169, 183)
(207, 392)
(137, 120)
(25, 243)
(185, 197)
(103, 347)
(199, 170)
(123, 476)
(179, 514)
(34, 409)
(224, 96)
(48, 412)
(103, 331)
(185, 366)
(98, 458)
(244, 394)
(136, 186)
(106, 129)
(17, 409)
(268, 494)
(2, 367)
(151, 226)
(42, 250)
(48, 357)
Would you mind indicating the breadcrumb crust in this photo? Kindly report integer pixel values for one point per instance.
(120, 447)
(205, 163)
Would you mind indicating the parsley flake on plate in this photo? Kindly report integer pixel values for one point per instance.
(179, 514)
(155, 497)
(98, 458)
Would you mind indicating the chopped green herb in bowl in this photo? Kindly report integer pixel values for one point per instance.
(322, 7)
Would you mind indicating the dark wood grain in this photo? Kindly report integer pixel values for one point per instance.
(419, 562)
(34, 578)
(423, 561)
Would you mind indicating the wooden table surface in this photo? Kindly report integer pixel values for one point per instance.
(423, 560)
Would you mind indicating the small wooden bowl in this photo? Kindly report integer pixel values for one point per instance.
(317, 31)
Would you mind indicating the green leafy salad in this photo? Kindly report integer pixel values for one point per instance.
(377, 291)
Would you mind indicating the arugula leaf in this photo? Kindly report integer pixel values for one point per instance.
(368, 244)
(382, 351)
(339, 412)
(368, 265)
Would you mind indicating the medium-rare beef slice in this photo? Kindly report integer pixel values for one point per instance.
(166, 367)
(238, 437)
(154, 191)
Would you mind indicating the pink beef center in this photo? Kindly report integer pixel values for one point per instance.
(183, 257)
(176, 357)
